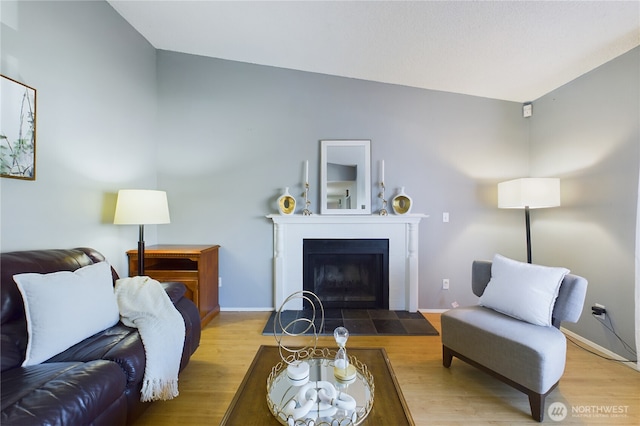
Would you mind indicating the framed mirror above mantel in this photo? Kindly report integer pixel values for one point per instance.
(345, 177)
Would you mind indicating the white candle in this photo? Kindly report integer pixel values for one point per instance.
(382, 171)
(306, 172)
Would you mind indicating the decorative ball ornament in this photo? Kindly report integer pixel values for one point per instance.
(401, 203)
(286, 203)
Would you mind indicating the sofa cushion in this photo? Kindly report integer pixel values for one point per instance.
(83, 392)
(120, 344)
(12, 339)
(523, 290)
(63, 308)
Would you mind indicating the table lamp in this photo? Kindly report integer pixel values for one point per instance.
(529, 193)
(141, 207)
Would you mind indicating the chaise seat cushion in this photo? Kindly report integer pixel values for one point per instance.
(84, 391)
(531, 355)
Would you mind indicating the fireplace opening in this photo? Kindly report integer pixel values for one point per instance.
(347, 273)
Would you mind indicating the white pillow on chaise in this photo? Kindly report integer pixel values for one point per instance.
(523, 290)
(64, 308)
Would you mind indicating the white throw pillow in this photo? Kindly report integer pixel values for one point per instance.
(64, 308)
(522, 290)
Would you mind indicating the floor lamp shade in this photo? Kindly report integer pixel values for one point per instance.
(529, 193)
(535, 193)
(141, 207)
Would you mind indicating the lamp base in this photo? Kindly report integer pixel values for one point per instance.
(141, 252)
(527, 223)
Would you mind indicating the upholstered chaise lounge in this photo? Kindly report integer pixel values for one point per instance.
(528, 356)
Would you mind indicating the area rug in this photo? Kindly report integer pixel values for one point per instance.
(359, 322)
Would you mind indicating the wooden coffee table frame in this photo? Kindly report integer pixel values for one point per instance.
(249, 405)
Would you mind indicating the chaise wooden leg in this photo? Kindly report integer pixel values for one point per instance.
(536, 402)
(447, 356)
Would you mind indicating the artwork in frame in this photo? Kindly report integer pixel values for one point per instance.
(17, 130)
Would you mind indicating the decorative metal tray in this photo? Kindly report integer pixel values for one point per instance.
(283, 396)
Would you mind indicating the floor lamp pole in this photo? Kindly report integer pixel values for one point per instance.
(528, 227)
(141, 251)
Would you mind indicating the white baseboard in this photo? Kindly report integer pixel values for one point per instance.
(433, 311)
(246, 309)
(606, 352)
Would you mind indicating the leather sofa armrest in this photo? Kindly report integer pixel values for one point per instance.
(175, 290)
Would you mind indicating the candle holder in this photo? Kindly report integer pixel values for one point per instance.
(383, 210)
(307, 203)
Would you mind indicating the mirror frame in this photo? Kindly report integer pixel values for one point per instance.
(363, 179)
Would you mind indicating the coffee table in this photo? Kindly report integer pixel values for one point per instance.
(249, 405)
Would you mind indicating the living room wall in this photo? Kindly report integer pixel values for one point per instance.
(587, 133)
(230, 136)
(234, 135)
(96, 111)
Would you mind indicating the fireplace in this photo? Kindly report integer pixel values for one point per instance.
(347, 273)
(401, 231)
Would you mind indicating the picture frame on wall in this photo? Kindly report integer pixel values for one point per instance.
(17, 130)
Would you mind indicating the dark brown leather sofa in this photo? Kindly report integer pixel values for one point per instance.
(95, 382)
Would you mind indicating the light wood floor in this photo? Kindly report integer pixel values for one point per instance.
(436, 395)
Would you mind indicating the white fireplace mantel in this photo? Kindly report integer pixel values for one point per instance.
(289, 232)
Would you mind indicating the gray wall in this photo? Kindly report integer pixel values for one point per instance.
(234, 135)
(587, 133)
(225, 138)
(96, 113)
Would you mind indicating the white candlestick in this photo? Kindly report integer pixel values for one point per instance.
(382, 171)
(306, 172)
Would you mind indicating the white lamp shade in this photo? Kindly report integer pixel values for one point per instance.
(141, 207)
(535, 193)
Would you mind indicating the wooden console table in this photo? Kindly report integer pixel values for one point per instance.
(194, 265)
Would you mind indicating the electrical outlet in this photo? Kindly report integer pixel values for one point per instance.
(445, 284)
(219, 281)
(598, 310)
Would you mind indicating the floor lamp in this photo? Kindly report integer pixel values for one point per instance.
(529, 193)
(141, 207)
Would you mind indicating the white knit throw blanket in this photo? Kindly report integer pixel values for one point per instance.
(146, 306)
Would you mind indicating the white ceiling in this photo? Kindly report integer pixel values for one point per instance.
(510, 50)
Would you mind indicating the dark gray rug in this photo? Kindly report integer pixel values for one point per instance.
(359, 322)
